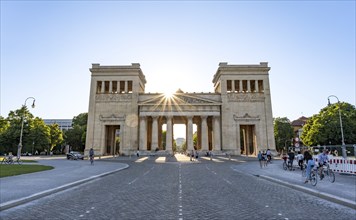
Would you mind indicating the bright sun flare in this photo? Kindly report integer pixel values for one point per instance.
(168, 94)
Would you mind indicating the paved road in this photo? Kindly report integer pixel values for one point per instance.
(175, 188)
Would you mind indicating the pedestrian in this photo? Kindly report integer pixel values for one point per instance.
(138, 153)
(300, 159)
(259, 156)
(264, 158)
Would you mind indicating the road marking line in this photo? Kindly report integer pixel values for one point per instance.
(133, 181)
(227, 181)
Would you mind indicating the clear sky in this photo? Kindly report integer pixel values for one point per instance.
(47, 48)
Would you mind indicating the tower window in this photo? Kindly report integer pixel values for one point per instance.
(98, 86)
(228, 86)
(260, 85)
(114, 86)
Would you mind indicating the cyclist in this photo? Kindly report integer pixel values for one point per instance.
(269, 155)
(310, 164)
(323, 159)
(91, 155)
(291, 157)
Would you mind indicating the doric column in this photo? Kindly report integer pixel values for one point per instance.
(204, 133)
(126, 87)
(143, 133)
(190, 133)
(102, 86)
(110, 86)
(256, 85)
(240, 88)
(169, 134)
(232, 85)
(248, 85)
(216, 130)
(238, 144)
(154, 133)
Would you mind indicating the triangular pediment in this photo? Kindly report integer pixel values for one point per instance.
(179, 99)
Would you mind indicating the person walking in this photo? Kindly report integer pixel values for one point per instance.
(300, 159)
(259, 156)
(91, 155)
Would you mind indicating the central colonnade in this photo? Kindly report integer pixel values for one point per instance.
(208, 130)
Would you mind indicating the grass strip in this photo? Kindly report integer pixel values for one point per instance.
(15, 169)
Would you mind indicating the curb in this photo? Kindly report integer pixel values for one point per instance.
(16, 202)
(326, 196)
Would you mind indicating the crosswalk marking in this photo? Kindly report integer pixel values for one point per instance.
(184, 158)
(141, 159)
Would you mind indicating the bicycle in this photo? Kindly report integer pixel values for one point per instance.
(269, 159)
(9, 160)
(313, 175)
(287, 165)
(91, 160)
(5, 160)
(326, 171)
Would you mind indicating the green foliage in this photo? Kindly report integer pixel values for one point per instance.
(39, 136)
(56, 135)
(195, 140)
(324, 128)
(283, 132)
(10, 136)
(36, 134)
(76, 136)
(81, 120)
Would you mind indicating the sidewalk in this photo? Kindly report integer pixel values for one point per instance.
(342, 191)
(16, 190)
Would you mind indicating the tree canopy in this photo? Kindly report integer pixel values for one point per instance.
(324, 128)
(36, 134)
(76, 136)
(283, 132)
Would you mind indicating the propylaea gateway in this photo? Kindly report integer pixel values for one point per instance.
(235, 119)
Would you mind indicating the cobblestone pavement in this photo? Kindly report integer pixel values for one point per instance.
(167, 188)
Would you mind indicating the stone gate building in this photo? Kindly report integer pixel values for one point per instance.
(235, 119)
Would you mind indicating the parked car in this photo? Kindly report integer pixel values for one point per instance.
(74, 155)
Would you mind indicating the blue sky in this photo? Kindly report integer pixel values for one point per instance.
(47, 48)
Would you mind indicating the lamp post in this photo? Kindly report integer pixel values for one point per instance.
(343, 148)
(23, 119)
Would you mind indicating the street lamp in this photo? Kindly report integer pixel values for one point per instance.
(23, 119)
(343, 148)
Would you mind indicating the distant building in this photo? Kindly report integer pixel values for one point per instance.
(298, 126)
(64, 124)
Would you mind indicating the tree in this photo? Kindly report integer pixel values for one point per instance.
(10, 135)
(81, 120)
(283, 131)
(39, 135)
(56, 135)
(324, 128)
(76, 136)
(4, 125)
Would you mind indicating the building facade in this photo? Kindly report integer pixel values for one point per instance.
(235, 119)
(64, 124)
